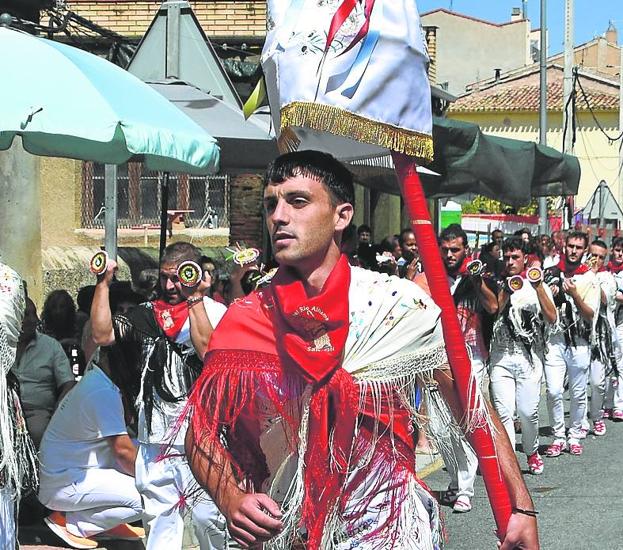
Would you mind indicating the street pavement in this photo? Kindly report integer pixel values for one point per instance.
(579, 499)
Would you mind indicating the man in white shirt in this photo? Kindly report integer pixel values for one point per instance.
(87, 462)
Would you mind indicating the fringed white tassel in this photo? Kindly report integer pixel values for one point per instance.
(293, 501)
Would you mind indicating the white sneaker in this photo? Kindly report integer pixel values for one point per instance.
(462, 504)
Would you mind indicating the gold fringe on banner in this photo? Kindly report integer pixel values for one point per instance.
(327, 118)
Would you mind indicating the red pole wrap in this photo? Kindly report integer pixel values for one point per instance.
(460, 364)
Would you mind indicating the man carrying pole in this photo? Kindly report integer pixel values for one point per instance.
(301, 416)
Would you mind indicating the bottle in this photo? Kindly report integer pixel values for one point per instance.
(75, 363)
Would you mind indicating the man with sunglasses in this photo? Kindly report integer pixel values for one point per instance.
(576, 296)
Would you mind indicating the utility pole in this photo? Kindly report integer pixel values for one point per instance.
(567, 89)
(543, 225)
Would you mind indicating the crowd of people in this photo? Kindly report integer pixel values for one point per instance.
(222, 405)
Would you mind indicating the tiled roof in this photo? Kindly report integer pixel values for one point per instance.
(525, 97)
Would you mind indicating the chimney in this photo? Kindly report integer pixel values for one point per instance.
(498, 73)
(516, 14)
(611, 34)
(524, 9)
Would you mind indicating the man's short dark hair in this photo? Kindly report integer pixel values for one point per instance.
(453, 231)
(179, 252)
(600, 244)
(317, 165)
(498, 230)
(523, 230)
(403, 235)
(577, 235)
(363, 228)
(617, 242)
(516, 243)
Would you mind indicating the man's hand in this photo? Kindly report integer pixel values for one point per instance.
(107, 276)
(554, 289)
(412, 269)
(521, 533)
(200, 290)
(252, 518)
(569, 287)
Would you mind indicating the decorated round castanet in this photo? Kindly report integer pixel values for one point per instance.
(189, 273)
(534, 274)
(514, 283)
(246, 256)
(475, 268)
(98, 262)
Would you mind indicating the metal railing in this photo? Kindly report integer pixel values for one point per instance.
(205, 198)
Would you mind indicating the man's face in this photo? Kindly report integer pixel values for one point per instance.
(574, 250)
(453, 253)
(545, 244)
(364, 237)
(525, 237)
(410, 244)
(514, 262)
(302, 221)
(170, 284)
(598, 257)
(29, 323)
(497, 237)
(616, 255)
(558, 238)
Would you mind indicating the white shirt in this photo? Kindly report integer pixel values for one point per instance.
(75, 439)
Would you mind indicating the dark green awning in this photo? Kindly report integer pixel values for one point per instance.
(468, 161)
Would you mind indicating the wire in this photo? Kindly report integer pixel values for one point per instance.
(601, 128)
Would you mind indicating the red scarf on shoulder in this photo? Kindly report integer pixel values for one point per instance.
(613, 268)
(580, 269)
(170, 317)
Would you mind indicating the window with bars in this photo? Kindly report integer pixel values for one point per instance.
(138, 197)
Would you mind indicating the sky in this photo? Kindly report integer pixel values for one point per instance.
(591, 16)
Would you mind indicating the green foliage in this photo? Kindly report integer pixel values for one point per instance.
(485, 205)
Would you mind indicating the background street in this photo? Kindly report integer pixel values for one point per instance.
(579, 499)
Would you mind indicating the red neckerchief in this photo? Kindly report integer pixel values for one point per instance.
(579, 270)
(310, 335)
(613, 268)
(463, 269)
(170, 318)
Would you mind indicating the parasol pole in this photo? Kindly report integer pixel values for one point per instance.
(110, 211)
(482, 439)
(164, 215)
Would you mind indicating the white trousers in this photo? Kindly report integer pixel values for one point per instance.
(597, 379)
(99, 500)
(463, 464)
(614, 385)
(562, 359)
(8, 528)
(516, 389)
(165, 485)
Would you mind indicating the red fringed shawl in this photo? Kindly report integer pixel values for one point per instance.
(267, 349)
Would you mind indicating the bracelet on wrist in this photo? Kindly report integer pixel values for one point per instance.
(190, 302)
(531, 513)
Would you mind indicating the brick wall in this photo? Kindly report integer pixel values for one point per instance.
(245, 223)
(218, 18)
